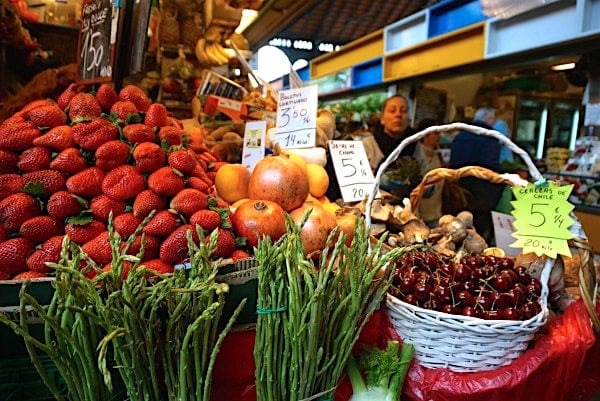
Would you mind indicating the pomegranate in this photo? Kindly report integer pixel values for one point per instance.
(254, 219)
(317, 228)
(281, 180)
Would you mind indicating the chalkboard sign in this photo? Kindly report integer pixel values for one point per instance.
(97, 41)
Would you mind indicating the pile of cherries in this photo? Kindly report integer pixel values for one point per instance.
(482, 286)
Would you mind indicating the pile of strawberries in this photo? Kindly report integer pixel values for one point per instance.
(66, 164)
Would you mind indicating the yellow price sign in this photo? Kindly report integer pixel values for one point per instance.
(542, 219)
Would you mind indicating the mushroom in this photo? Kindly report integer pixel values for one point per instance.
(453, 227)
(466, 217)
(446, 247)
(474, 243)
(415, 231)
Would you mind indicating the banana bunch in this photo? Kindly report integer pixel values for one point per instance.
(210, 53)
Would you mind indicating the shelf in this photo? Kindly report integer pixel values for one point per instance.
(407, 32)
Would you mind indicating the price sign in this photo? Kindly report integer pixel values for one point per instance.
(297, 118)
(542, 219)
(352, 169)
(97, 41)
(254, 143)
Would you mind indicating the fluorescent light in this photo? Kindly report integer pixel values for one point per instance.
(562, 67)
(248, 16)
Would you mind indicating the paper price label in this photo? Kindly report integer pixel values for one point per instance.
(254, 143)
(542, 219)
(352, 169)
(297, 118)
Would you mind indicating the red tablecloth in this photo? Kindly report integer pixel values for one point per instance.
(564, 365)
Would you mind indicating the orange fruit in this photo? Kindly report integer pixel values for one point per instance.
(297, 159)
(231, 182)
(318, 180)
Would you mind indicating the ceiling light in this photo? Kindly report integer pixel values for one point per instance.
(562, 67)
(248, 16)
(509, 8)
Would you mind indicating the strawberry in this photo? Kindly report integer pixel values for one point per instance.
(65, 97)
(138, 133)
(175, 122)
(82, 233)
(156, 116)
(159, 266)
(8, 162)
(112, 154)
(136, 96)
(84, 107)
(58, 138)
(151, 246)
(48, 116)
(86, 183)
(40, 228)
(4, 276)
(34, 105)
(98, 249)
(162, 224)
(124, 273)
(18, 137)
(3, 235)
(63, 204)
(147, 201)
(69, 161)
(172, 136)
(106, 96)
(165, 181)
(10, 184)
(90, 135)
(102, 205)
(49, 252)
(123, 108)
(207, 219)
(43, 182)
(211, 176)
(240, 254)
(13, 255)
(225, 243)
(126, 224)
(183, 160)
(188, 201)
(16, 209)
(123, 183)
(33, 159)
(198, 184)
(174, 248)
(148, 157)
(29, 275)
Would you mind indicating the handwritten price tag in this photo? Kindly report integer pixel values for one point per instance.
(542, 219)
(352, 169)
(297, 118)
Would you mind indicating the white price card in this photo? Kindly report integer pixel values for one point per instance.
(503, 230)
(297, 117)
(352, 169)
(254, 143)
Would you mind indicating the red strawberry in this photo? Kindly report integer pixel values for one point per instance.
(18, 136)
(174, 248)
(183, 160)
(225, 243)
(3, 235)
(86, 183)
(175, 122)
(63, 204)
(46, 181)
(29, 275)
(112, 154)
(52, 249)
(156, 116)
(136, 96)
(16, 209)
(13, 255)
(10, 184)
(147, 201)
(122, 109)
(165, 181)
(138, 133)
(40, 228)
(211, 175)
(84, 106)
(34, 105)
(102, 205)
(98, 249)
(149, 157)
(199, 184)
(48, 116)
(239, 254)
(4, 276)
(8, 162)
(126, 224)
(69, 161)
(106, 96)
(188, 201)
(159, 266)
(162, 224)
(58, 138)
(124, 273)
(207, 219)
(36, 262)
(90, 135)
(65, 98)
(123, 183)
(151, 247)
(33, 159)
(171, 135)
(82, 233)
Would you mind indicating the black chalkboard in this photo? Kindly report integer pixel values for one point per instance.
(97, 41)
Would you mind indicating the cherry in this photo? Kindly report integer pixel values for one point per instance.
(445, 281)
(484, 301)
(407, 283)
(534, 287)
(410, 299)
(446, 269)
(511, 313)
(523, 275)
(469, 286)
(442, 294)
(490, 260)
(451, 309)
(528, 309)
(505, 263)
(472, 261)
(432, 304)
(511, 273)
(462, 272)
(502, 282)
(465, 298)
(516, 296)
(422, 290)
(471, 312)
(500, 300)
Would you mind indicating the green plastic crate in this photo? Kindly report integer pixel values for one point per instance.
(19, 380)
(242, 277)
